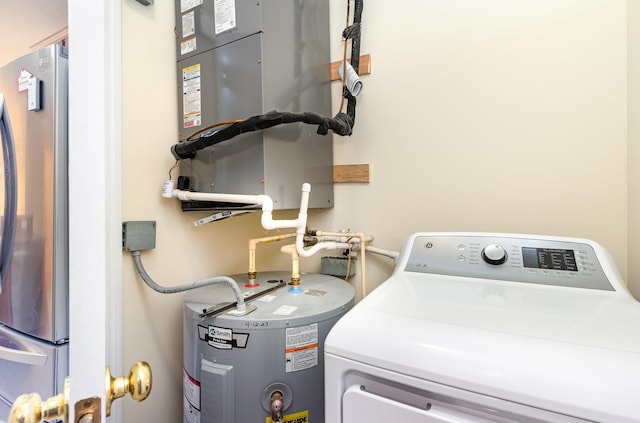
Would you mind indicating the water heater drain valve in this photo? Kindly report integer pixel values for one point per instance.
(277, 406)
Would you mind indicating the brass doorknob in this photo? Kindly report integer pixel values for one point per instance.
(29, 408)
(138, 384)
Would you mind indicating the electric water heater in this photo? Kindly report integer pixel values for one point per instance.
(247, 368)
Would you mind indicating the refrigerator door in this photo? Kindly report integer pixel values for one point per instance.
(34, 298)
(29, 365)
(8, 178)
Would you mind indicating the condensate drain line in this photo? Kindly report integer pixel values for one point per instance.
(268, 223)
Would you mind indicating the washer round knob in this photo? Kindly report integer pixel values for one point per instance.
(494, 254)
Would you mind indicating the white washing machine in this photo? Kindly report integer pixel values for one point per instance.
(475, 327)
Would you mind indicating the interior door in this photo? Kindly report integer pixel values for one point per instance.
(94, 199)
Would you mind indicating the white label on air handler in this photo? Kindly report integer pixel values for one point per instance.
(188, 24)
(225, 14)
(301, 349)
(191, 97)
(189, 4)
(188, 45)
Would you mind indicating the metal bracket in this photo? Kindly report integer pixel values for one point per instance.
(222, 307)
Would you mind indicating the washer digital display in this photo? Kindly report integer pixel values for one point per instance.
(549, 258)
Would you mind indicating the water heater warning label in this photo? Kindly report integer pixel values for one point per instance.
(191, 398)
(301, 349)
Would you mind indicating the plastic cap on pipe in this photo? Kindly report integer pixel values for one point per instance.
(167, 189)
(352, 80)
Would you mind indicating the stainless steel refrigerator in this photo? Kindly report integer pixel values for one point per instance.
(34, 329)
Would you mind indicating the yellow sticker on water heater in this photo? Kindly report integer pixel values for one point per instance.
(301, 417)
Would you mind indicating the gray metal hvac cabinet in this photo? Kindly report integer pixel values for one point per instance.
(238, 59)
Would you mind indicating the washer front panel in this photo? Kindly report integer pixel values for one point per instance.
(537, 261)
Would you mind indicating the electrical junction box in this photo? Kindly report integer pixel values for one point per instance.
(238, 59)
(341, 267)
(138, 235)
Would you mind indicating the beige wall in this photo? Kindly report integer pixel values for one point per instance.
(478, 116)
(26, 24)
(633, 154)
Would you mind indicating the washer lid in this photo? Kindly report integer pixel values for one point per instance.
(568, 350)
(602, 319)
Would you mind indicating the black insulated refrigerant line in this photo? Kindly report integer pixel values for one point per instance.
(341, 124)
(353, 32)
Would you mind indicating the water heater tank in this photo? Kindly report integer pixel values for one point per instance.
(235, 368)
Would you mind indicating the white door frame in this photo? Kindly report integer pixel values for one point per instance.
(95, 269)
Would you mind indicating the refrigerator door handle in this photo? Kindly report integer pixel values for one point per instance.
(23, 357)
(11, 189)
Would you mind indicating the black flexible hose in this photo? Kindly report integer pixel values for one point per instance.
(354, 34)
(341, 124)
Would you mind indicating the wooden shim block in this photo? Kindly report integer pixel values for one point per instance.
(358, 173)
(365, 67)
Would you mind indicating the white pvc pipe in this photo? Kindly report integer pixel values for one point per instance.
(355, 246)
(267, 220)
(348, 239)
(261, 200)
(301, 221)
(269, 223)
(382, 252)
(331, 245)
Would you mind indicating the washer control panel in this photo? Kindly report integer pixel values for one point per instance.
(542, 260)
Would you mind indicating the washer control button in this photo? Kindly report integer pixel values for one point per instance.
(494, 254)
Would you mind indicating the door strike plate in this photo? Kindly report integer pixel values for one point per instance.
(88, 410)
